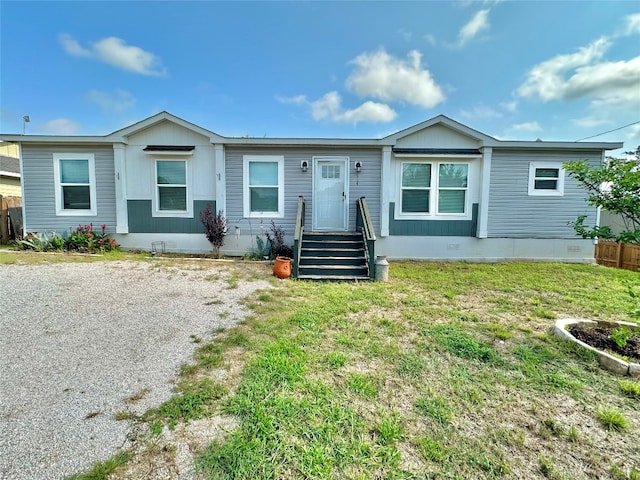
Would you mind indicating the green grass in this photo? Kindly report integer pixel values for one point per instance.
(612, 419)
(447, 371)
(102, 470)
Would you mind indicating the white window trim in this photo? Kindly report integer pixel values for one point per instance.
(245, 181)
(156, 212)
(433, 214)
(60, 210)
(558, 191)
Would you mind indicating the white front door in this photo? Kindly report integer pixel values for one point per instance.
(330, 195)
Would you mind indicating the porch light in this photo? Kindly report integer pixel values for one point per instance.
(304, 165)
(358, 166)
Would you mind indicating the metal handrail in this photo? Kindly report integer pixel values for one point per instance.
(297, 236)
(363, 223)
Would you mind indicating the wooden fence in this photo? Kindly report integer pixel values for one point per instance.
(619, 255)
(10, 218)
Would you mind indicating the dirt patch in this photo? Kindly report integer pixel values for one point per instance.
(600, 338)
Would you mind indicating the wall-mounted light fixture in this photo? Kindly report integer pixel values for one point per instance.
(304, 165)
(358, 166)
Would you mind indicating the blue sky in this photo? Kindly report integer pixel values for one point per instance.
(511, 69)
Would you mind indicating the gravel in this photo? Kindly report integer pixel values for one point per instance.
(79, 339)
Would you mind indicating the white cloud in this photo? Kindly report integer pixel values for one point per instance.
(526, 127)
(634, 132)
(590, 122)
(546, 80)
(406, 34)
(633, 23)
(115, 52)
(380, 75)
(72, 47)
(329, 107)
(296, 100)
(510, 106)
(481, 111)
(60, 126)
(478, 23)
(117, 102)
(431, 39)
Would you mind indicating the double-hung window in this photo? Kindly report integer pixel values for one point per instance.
(171, 186)
(434, 187)
(546, 179)
(416, 188)
(452, 187)
(263, 186)
(75, 184)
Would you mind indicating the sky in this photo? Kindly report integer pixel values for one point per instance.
(515, 70)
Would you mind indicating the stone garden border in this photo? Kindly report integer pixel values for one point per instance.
(607, 361)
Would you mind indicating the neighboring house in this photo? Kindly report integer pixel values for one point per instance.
(9, 170)
(437, 190)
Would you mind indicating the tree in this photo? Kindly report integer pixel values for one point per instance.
(614, 186)
(215, 228)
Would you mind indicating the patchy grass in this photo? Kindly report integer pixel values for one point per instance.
(447, 371)
(102, 470)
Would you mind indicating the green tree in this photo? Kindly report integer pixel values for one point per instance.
(614, 186)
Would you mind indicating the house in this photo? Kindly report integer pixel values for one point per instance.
(9, 170)
(436, 190)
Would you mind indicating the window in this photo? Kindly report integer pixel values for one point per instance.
(546, 179)
(263, 186)
(75, 184)
(423, 192)
(171, 184)
(416, 187)
(452, 187)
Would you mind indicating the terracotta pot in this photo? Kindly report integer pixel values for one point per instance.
(282, 267)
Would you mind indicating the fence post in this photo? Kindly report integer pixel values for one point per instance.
(620, 246)
(4, 221)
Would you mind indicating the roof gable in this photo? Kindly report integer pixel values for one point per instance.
(164, 118)
(439, 132)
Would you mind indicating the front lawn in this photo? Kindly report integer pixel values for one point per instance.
(447, 371)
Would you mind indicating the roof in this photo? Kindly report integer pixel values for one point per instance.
(9, 166)
(122, 135)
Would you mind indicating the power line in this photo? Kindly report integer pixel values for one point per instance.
(608, 131)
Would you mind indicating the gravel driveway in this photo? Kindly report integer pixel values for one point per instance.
(78, 339)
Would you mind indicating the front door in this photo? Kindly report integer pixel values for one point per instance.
(330, 195)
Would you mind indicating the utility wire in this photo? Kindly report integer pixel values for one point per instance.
(608, 131)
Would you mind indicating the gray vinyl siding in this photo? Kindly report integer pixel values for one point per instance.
(39, 186)
(296, 183)
(513, 213)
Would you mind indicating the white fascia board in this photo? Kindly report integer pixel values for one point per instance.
(357, 142)
(437, 155)
(4, 173)
(555, 145)
(75, 139)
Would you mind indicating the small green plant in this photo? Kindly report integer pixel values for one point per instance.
(630, 388)
(612, 419)
(620, 336)
(42, 242)
(102, 470)
(215, 228)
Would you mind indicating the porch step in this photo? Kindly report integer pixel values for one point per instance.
(336, 256)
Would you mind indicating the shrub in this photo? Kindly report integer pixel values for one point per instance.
(275, 236)
(215, 228)
(87, 240)
(42, 242)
